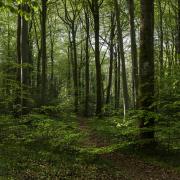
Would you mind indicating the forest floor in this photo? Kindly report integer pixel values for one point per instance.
(68, 147)
(131, 167)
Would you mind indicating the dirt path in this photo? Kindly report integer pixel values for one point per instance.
(131, 167)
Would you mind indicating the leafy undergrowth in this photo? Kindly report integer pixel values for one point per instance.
(67, 147)
(38, 147)
(122, 136)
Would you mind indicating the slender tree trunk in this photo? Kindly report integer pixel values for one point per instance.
(43, 53)
(8, 39)
(97, 58)
(38, 75)
(71, 57)
(18, 72)
(31, 58)
(25, 56)
(161, 54)
(121, 46)
(118, 77)
(178, 41)
(133, 53)
(76, 89)
(111, 59)
(69, 71)
(146, 66)
(52, 94)
(18, 77)
(87, 63)
(52, 68)
(80, 74)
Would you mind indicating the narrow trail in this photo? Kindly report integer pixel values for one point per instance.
(92, 139)
(131, 167)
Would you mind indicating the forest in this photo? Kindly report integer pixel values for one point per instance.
(90, 89)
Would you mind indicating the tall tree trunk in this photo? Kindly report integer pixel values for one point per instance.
(111, 58)
(31, 57)
(18, 44)
(69, 71)
(87, 63)
(118, 78)
(43, 52)
(52, 94)
(121, 46)
(178, 41)
(38, 75)
(8, 39)
(133, 52)
(80, 73)
(146, 66)
(95, 6)
(161, 53)
(25, 56)
(75, 63)
(161, 34)
(71, 57)
(70, 65)
(19, 49)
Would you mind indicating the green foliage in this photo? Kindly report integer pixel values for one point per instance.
(48, 143)
(36, 140)
(143, 114)
(109, 110)
(50, 110)
(59, 110)
(39, 147)
(116, 130)
(124, 137)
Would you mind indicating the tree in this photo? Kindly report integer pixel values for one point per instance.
(133, 52)
(43, 52)
(25, 55)
(86, 11)
(121, 48)
(161, 34)
(95, 6)
(112, 35)
(38, 65)
(70, 19)
(178, 41)
(146, 66)
(18, 47)
(52, 24)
